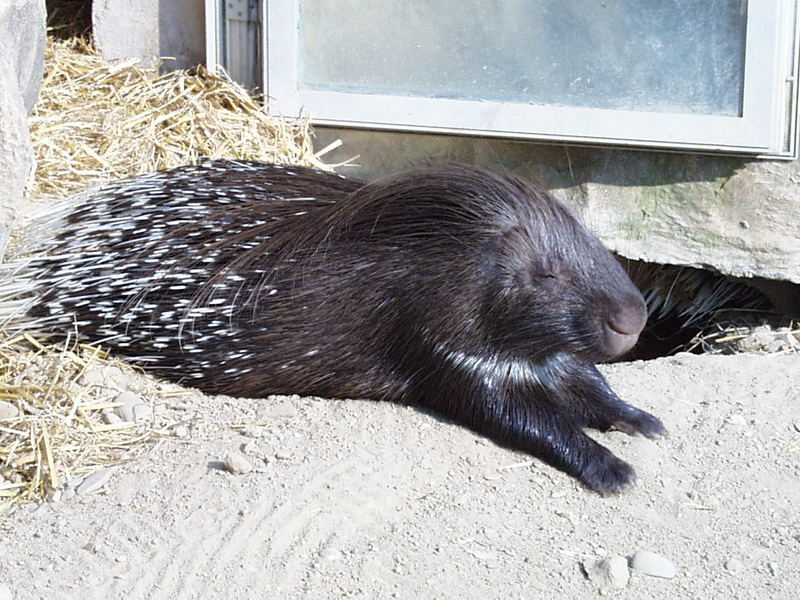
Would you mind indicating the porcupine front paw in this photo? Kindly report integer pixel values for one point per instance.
(635, 421)
(607, 474)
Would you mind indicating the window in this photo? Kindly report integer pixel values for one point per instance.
(686, 74)
(234, 40)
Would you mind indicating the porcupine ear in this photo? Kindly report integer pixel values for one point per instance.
(515, 258)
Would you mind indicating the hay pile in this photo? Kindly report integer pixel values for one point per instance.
(97, 121)
(52, 425)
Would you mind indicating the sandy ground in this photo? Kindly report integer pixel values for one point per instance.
(360, 499)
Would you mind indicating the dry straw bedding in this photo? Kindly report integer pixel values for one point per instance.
(97, 121)
(54, 429)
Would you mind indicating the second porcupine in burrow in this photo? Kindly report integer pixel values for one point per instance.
(454, 288)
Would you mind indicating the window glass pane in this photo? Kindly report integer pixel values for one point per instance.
(680, 56)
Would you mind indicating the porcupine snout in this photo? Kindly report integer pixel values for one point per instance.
(624, 323)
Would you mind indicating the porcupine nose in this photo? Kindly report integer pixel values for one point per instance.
(625, 323)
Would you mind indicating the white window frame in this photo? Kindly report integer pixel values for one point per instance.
(767, 126)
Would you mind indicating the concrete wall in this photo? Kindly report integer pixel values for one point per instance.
(151, 29)
(182, 31)
(22, 37)
(738, 216)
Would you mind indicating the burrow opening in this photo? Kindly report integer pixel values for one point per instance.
(703, 311)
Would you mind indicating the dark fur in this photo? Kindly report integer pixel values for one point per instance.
(456, 289)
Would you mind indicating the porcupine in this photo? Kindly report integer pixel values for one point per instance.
(459, 290)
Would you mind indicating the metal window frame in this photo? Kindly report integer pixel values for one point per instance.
(213, 13)
(767, 126)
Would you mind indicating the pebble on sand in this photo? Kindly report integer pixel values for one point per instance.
(111, 418)
(8, 411)
(236, 463)
(612, 571)
(93, 481)
(329, 554)
(653, 564)
(733, 565)
(283, 454)
(132, 407)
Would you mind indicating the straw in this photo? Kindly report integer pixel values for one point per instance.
(99, 120)
(55, 430)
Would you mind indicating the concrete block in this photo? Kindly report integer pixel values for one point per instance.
(149, 30)
(22, 30)
(126, 29)
(16, 152)
(22, 37)
(739, 217)
(182, 33)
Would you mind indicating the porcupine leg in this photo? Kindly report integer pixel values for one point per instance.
(535, 427)
(596, 404)
(522, 421)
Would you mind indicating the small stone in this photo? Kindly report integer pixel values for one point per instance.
(281, 410)
(5, 592)
(93, 482)
(653, 564)
(104, 376)
(733, 565)
(773, 568)
(775, 346)
(132, 407)
(180, 431)
(737, 420)
(253, 432)
(329, 554)
(236, 463)
(618, 572)
(796, 426)
(112, 418)
(758, 338)
(283, 454)
(251, 448)
(744, 224)
(612, 571)
(92, 377)
(8, 411)
(142, 412)
(68, 492)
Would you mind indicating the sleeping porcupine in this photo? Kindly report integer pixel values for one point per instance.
(467, 292)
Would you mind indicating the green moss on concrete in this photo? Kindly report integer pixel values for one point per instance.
(655, 205)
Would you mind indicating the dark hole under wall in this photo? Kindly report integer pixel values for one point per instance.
(688, 305)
